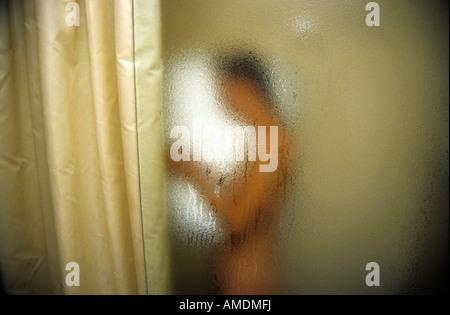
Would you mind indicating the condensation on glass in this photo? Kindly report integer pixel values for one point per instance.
(363, 175)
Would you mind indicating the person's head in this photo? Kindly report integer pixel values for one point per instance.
(245, 68)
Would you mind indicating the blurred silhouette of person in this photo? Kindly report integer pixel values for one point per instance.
(247, 204)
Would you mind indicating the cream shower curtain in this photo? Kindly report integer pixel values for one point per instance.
(69, 166)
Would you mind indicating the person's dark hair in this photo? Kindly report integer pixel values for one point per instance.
(249, 66)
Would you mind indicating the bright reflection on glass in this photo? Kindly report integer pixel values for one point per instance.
(303, 25)
(191, 96)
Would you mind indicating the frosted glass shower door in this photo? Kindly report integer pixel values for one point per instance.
(299, 142)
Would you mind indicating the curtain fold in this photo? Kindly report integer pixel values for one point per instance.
(148, 80)
(69, 186)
